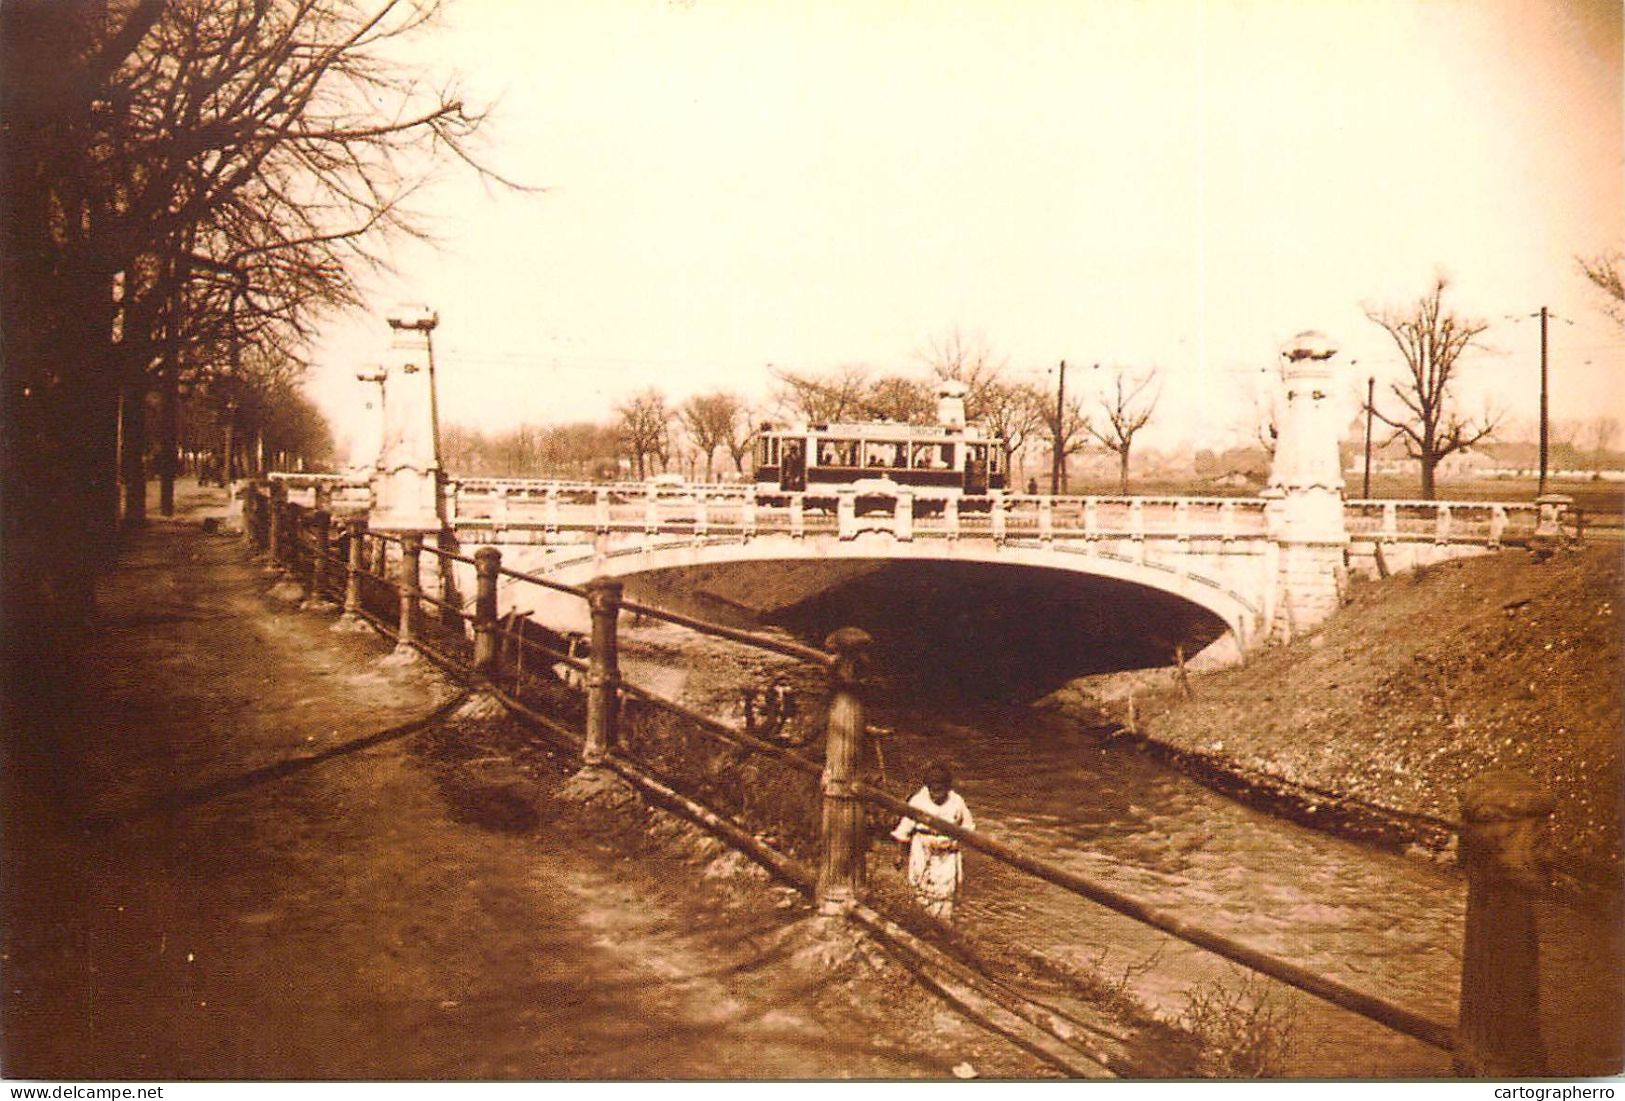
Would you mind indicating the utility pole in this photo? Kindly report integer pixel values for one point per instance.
(1541, 491)
(1370, 399)
(1058, 460)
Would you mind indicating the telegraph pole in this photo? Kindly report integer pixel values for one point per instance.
(1541, 491)
(1057, 460)
(1370, 398)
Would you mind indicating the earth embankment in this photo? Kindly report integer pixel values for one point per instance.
(1421, 682)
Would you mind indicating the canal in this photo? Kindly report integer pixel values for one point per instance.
(1073, 795)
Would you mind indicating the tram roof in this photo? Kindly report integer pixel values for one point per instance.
(885, 430)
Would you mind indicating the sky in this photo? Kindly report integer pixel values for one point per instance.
(1170, 184)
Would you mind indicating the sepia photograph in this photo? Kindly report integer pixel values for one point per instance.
(656, 541)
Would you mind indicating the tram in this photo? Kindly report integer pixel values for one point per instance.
(935, 461)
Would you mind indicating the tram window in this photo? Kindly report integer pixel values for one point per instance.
(833, 453)
(945, 457)
(882, 454)
(922, 456)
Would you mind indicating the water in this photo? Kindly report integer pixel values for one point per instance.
(1382, 923)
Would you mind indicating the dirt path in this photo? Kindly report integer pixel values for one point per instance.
(170, 912)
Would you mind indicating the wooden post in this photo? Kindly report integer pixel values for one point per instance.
(411, 587)
(603, 671)
(487, 565)
(357, 566)
(1503, 826)
(841, 873)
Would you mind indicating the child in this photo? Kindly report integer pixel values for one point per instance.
(935, 866)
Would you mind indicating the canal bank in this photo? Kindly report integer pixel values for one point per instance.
(1373, 724)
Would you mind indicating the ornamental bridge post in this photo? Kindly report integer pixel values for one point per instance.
(1304, 516)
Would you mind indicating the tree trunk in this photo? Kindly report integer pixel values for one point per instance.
(1428, 463)
(133, 455)
(1122, 472)
(169, 417)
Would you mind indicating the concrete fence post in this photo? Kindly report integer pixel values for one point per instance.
(603, 671)
(293, 537)
(487, 567)
(356, 565)
(274, 518)
(321, 566)
(846, 516)
(250, 499)
(450, 598)
(380, 559)
(411, 587)
(1503, 826)
(841, 872)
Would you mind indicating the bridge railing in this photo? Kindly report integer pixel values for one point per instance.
(1485, 523)
(735, 510)
(336, 492)
(796, 810)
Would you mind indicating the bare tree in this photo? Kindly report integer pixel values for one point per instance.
(1068, 433)
(967, 359)
(1125, 407)
(645, 429)
(818, 399)
(712, 422)
(899, 398)
(1607, 272)
(178, 171)
(1603, 431)
(1013, 411)
(1432, 339)
(741, 437)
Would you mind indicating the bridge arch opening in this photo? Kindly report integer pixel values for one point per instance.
(968, 628)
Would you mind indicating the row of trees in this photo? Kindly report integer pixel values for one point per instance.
(1419, 410)
(190, 187)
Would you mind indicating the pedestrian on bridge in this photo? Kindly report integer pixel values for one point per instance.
(935, 865)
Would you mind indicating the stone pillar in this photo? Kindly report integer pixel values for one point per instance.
(406, 488)
(1306, 485)
(1503, 827)
(367, 444)
(1549, 535)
